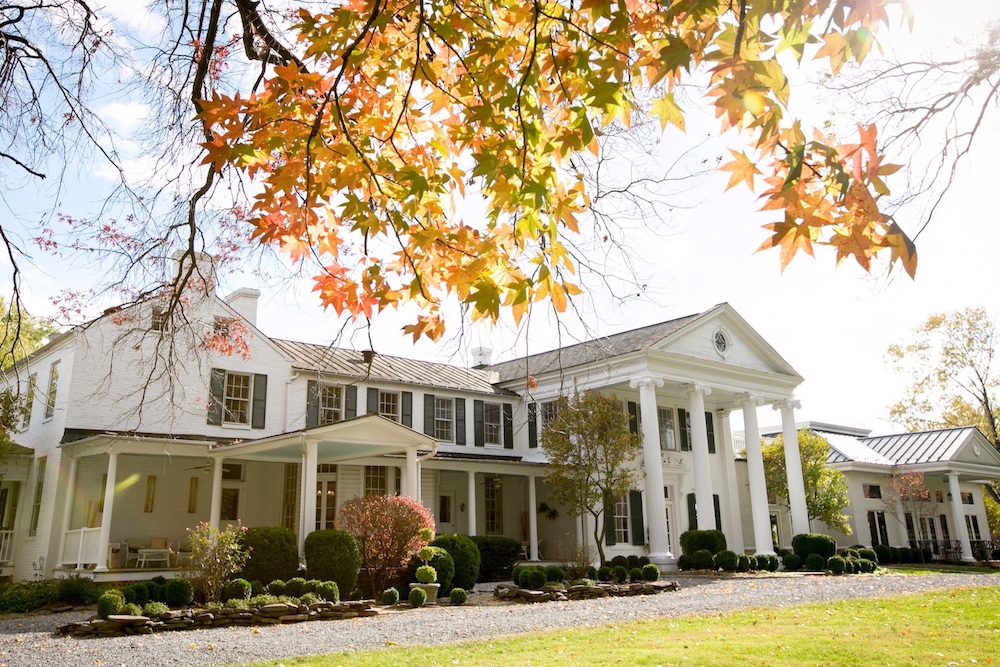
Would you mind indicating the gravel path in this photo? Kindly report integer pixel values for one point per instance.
(28, 642)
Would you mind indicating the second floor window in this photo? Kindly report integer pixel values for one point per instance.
(492, 428)
(388, 405)
(50, 398)
(549, 411)
(29, 400)
(444, 419)
(330, 402)
(872, 490)
(237, 398)
(665, 418)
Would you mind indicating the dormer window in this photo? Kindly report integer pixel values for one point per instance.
(160, 321)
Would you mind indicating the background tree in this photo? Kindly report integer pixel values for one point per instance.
(905, 489)
(825, 486)
(591, 455)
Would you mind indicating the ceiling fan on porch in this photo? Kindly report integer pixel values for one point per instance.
(207, 466)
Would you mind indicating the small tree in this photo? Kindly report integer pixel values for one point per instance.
(389, 531)
(905, 488)
(215, 555)
(825, 486)
(590, 452)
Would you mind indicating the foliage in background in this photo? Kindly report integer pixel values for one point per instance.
(497, 555)
(825, 486)
(590, 452)
(215, 556)
(272, 553)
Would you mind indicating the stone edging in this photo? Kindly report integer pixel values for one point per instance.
(582, 592)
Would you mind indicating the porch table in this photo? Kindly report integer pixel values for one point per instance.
(150, 556)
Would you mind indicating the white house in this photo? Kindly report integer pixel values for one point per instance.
(139, 428)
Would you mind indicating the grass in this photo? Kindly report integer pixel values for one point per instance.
(951, 627)
(938, 568)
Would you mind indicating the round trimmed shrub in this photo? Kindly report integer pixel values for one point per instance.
(905, 555)
(277, 587)
(136, 593)
(650, 572)
(236, 589)
(643, 561)
(743, 563)
(154, 609)
(426, 574)
(883, 553)
(497, 556)
(868, 554)
(619, 561)
(532, 577)
(131, 609)
(78, 590)
(752, 562)
(894, 554)
(465, 555)
(702, 560)
(620, 573)
(836, 564)
(442, 563)
(792, 562)
(632, 561)
(866, 566)
(635, 575)
(696, 540)
(849, 552)
(329, 591)
(684, 562)
(458, 596)
(604, 573)
(805, 544)
(110, 602)
(417, 597)
(515, 574)
(591, 572)
(310, 586)
(555, 574)
(293, 586)
(178, 593)
(815, 563)
(726, 560)
(333, 555)
(273, 553)
(309, 598)
(849, 567)
(768, 562)
(390, 596)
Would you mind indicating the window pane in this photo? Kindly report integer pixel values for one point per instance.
(621, 519)
(329, 404)
(443, 419)
(237, 398)
(376, 481)
(493, 430)
(666, 422)
(388, 405)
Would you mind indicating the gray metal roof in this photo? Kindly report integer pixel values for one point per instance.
(589, 351)
(351, 364)
(938, 446)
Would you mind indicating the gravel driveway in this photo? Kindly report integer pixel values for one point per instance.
(28, 642)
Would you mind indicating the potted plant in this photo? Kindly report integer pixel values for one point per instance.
(427, 577)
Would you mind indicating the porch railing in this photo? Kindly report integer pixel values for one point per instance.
(83, 547)
(992, 549)
(6, 545)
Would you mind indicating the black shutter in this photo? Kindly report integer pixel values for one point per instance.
(635, 512)
(532, 425)
(259, 416)
(312, 404)
(633, 417)
(216, 395)
(692, 513)
(351, 402)
(371, 406)
(407, 415)
(429, 414)
(478, 424)
(718, 512)
(682, 421)
(710, 427)
(609, 521)
(508, 426)
(460, 438)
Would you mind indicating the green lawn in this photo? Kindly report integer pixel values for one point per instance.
(936, 568)
(954, 627)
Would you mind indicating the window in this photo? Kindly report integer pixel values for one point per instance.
(237, 398)
(877, 528)
(230, 504)
(549, 411)
(665, 417)
(232, 472)
(444, 508)
(29, 401)
(388, 405)
(670, 533)
(36, 505)
(967, 498)
(444, 419)
(911, 533)
(159, 321)
(376, 481)
(326, 502)
(972, 524)
(872, 491)
(222, 327)
(330, 404)
(933, 535)
(945, 533)
(622, 521)
(50, 399)
(493, 495)
(939, 496)
(290, 497)
(192, 494)
(775, 536)
(492, 428)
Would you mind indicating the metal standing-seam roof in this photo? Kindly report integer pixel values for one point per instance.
(938, 446)
(351, 364)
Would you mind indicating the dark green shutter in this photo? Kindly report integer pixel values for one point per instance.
(635, 514)
(429, 414)
(508, 426)
(692, 512)
(532, 425)
(216, 395)
(351, 402)
(609, 521)
(312, 404)
(407, 415)
(460, 438)
(478, 424)
(372, 401)
(633, 417)
(259, 416)
(718, 512)
(682, 421)
(710, 427)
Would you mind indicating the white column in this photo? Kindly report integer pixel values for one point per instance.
(793, 466)
(755, 471)
(304, 519)
(656, 504)
(412, 474)
(735, 536)
(471, 504)
(67, 514)
(532, 518)
(704, 505)
(215, 513)
(109, 506)
(958, 516)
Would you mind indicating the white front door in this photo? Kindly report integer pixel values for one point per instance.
(326, 500)
(446, 513)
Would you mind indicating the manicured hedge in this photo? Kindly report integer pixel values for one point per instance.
(713, 541)
(805, 544)
(497, 556)
(465, 553)
(274, 554)
(333, 555)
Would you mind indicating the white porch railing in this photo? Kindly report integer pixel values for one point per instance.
(6, 545)
(83, 547)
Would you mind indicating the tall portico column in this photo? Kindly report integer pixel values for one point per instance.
(215, 511)
(109, 506)
(532, 518)
(793, 466)
(656, 504)
(412, 477)
(755, 471)
(735, 535)
(704, 505)
(68, 512)
(472, 503)
(310, 462)
(958, 516)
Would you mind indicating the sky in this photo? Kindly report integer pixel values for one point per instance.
(833, 324)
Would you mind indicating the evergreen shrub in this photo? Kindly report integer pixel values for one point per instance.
(497, 556)
(236, 589)
(178, 593)
(329, 591)
(333, 555)
(417, 597)
(792, 562)
(805, 544)
(273, 553)
(458, 596)
(726, 560)
(604, 573)
(555, 574)
(836, 564)
(620, 573)
(695, 540)
(390, 596)
(650, 572)
(110, 602)
(465, 555)
(815, 563)
(702, 560)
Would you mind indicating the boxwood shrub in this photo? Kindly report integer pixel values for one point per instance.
(805, 544)
(329, 591)
(390, 596)
(555, 574)
(620, 573)
(702, 559)
(333, 555)
(743, 563)
(273, 554)
(650, 572)
(532, 577)
(836, 564)
(713, 541)
(417, 597)
(726, 560)
(869, 554)
(178, 593)
(236, 589)
(815, 563)
(604, 573)
(110, 602)
(458, 596)
(792, 562)
(465, 554)
(442, 562)
(294, 586)
(497, 556)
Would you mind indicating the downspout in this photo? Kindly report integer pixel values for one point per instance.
(288, 400)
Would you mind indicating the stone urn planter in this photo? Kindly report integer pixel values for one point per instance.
(430, 589)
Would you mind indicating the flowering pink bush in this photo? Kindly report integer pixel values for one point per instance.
(389, 530)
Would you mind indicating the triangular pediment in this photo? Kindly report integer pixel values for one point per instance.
(976, 449)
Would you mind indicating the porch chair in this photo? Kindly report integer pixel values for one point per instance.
(114, 555)
(128, 554)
